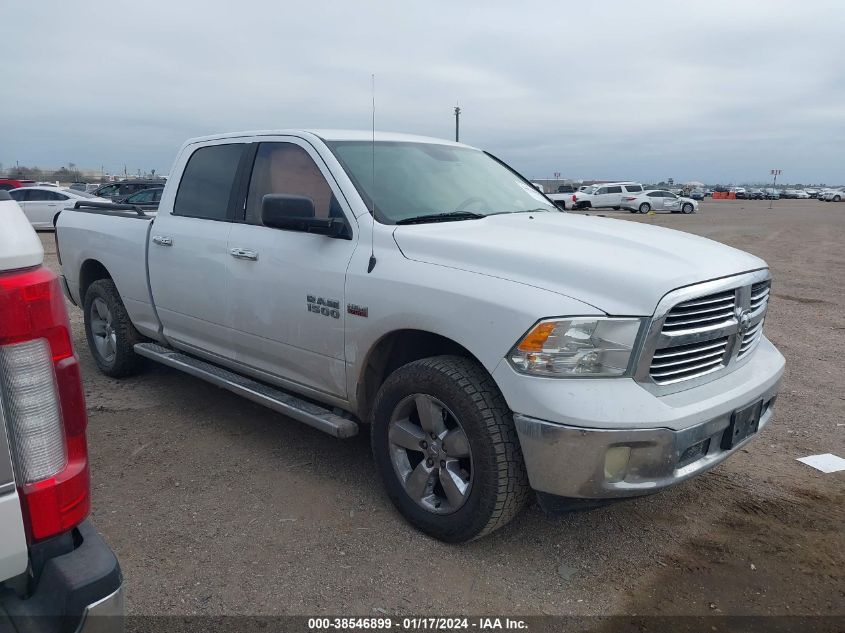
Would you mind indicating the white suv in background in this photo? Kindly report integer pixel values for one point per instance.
(606, 195)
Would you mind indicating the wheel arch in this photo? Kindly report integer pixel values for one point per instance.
(91, 270)
(397, 348)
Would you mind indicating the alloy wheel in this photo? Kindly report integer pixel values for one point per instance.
(430, 453)
(102, 330)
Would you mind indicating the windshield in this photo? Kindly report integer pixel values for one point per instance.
(415, 180)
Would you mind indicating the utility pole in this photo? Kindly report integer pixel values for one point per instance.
(775, 174)
(457, 123)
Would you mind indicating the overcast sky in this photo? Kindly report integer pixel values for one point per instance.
(718, 91)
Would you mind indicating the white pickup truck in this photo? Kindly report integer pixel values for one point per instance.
(492, 343)
(56, 572)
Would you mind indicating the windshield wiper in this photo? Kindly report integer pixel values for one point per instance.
(442, 217)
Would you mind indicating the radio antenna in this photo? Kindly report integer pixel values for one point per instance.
(372, 263)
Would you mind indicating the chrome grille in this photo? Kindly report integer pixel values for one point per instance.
(702, 312)
(672, 364)
(760, 295)
(750, 340)
(701, 331)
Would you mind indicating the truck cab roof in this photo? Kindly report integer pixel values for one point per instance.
(332, 135)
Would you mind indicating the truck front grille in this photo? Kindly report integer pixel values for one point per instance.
(702, 312)
(706, 334)
(672, 364)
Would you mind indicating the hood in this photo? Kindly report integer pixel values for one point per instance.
(620, 267)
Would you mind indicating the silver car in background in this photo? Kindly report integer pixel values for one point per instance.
(659, 200)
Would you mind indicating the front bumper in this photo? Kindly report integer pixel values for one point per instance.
(77, 591)
(618, 440)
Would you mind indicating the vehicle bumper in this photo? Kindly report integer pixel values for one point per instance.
(618, 440)
(80, 591)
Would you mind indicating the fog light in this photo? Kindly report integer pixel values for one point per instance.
(616, 463)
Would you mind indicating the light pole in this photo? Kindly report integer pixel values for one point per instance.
(457, 123)
(775, 174)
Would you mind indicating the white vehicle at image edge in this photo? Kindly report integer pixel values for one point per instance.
(56, 572)
(490, 343)
(833, 195)
(605, 195)
(41, 204)
(659, 200)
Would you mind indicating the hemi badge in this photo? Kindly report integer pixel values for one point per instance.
(361, 311)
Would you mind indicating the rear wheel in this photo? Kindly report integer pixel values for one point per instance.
(446, 448)
(110, 333)
(836, 198)
(645, 207)
(616, 208)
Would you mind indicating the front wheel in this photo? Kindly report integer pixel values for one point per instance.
(446, 449)
(687, 208)
(836, 198)
(645, 207)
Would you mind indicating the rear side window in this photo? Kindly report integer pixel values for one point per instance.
(39, 195)
(633, 188)
(207, 182)
(19, 195)
(614, 190)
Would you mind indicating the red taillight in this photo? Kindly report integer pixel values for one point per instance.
(629, 198)
(574, 198)
(43, 403)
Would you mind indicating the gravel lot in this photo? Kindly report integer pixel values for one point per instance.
(216, 505)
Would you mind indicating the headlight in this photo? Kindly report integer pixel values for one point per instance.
(581, 346)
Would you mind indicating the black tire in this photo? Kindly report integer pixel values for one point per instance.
(687, 208)
(645, 207)
(616, 208)
(836, 199)
(499, 487)
(632, 210)
(124, 361)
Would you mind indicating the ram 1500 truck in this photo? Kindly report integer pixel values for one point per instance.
(56, 572)
(492, 343)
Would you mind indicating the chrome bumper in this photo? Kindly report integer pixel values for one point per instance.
(590, 463)
(104, 616)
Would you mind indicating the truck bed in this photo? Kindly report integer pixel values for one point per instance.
(116, 236)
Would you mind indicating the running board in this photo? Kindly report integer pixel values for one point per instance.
(292, 406)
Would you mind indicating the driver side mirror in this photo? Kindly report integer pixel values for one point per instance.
(296, 213)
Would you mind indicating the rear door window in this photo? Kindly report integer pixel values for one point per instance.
(39, 195)
(206, 184)
(614, 190)
(20, 195)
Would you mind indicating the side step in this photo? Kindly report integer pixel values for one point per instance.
(271, 397)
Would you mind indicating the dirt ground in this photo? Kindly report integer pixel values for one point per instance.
(216, 505)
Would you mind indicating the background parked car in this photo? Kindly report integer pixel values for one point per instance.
(813, 193)
(124, 188)
(772, 194)
(606, 195)
(756, 194)
(834, 195)
(41, 204)
(7, 184)
(659, 200)
(147, 199)
(697, 194)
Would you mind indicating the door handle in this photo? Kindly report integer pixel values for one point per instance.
(243, 253)
(162, 240)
